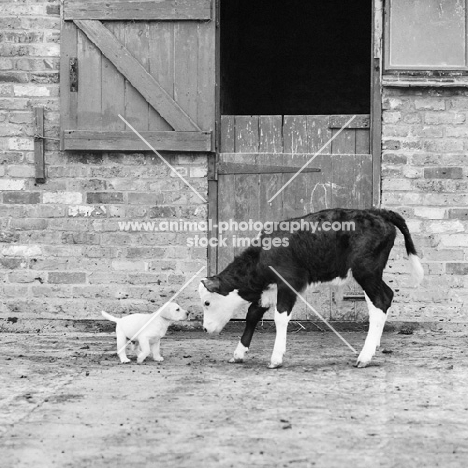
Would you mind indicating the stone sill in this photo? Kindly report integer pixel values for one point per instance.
(422, 82)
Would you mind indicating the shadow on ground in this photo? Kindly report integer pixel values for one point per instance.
(66, 402)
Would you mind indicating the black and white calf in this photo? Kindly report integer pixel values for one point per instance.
(309, 258)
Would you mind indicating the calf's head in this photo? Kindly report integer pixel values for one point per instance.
(219, 304)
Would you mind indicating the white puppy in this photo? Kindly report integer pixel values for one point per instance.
(150, 329)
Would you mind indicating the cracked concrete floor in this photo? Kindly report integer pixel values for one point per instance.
(66, 402)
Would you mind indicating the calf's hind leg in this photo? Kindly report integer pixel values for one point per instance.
(378, 301)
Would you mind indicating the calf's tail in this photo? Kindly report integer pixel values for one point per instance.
(417, 271)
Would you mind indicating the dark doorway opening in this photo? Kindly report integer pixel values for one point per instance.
(295, 57)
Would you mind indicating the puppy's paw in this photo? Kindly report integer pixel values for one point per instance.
(158, 358)
(124, 360)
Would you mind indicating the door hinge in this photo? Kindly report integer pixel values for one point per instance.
(73, 74)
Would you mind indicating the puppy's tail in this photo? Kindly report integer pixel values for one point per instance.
(110, 317)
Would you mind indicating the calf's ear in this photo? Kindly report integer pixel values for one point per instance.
(212, 284)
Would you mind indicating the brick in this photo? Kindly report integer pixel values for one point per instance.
(22, 251)
(429, 104)
(8, 237)
(396, 184)
(9, 184)
(430, 212)
(443, 173)
(104, 197)
(391, 117)
(458, 213)
(13, 263)
(29, 224)
(21, 171)
(31, 90)
(198, 172)
(443, 145)
(21, 144)
(87, 211)
(456, 132)
(21, 197)
(445, 227)
(145, 278)
(127, 265)
(146, 252)
(80, 238)
(454, 240)
(434, 118)
(147, 198)
(163, 212)
(6, 64)
(66, 198)
(457, 268)
(64, 277)
(26, 276)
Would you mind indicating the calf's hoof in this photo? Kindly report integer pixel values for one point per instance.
(275, 365)
(236, 360)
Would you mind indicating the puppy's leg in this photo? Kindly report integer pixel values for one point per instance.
(121, 345)
(155, 348)
(145, 349)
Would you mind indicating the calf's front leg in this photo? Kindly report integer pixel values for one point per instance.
(281, 322)
(254, 315)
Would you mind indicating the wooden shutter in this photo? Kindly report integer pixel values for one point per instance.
(153, 62)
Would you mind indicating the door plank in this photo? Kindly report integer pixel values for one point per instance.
(136, 74)
(186, 67)
(137, 43)
(137, 10)
(161, 65)
(128, 141)
(227, 134)
(206, 76)
(296, 140)
(113, 88)
(68, 101)
(89, 95)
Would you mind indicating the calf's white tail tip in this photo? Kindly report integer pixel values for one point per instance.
(109, 317)
(417, 271)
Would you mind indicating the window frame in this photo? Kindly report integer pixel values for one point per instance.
(419, 71)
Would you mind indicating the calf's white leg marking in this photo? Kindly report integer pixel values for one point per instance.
(376, 325)
(281, 323)
(239, 353)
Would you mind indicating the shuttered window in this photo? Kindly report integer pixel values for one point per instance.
(152, 62)
(426, 35)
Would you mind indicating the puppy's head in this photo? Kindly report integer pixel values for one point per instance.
(174, 312)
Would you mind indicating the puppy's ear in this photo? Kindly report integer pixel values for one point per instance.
(211, 284)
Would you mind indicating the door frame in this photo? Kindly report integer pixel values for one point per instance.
(375, 125)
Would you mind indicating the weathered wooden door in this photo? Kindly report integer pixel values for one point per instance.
(152, 62)
(259, 154)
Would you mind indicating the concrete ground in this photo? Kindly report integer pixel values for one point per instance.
(66, 402)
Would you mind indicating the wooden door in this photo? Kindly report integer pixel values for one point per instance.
(152, 62)
(259, 154)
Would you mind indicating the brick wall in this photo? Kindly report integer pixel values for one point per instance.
(425, 178)
(62, 252)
